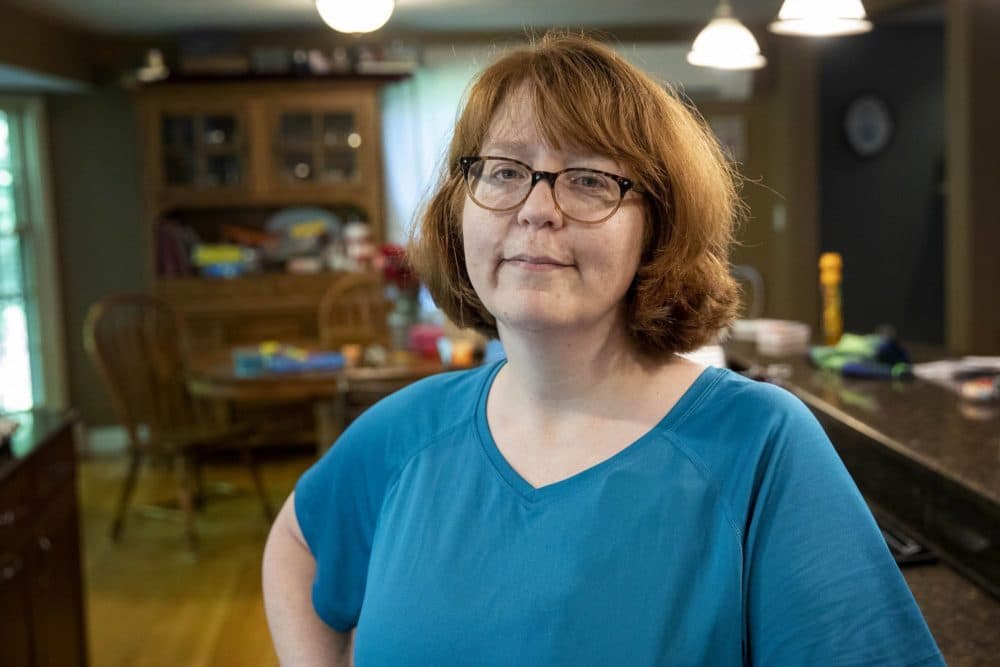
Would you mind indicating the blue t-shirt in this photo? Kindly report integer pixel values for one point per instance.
(729, 534)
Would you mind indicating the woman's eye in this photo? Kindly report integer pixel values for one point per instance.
(590, 182)
(506, 174)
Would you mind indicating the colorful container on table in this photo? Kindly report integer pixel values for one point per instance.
(274, 357)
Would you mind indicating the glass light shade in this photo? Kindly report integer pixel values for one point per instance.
(355, 16)
(821, 18)
(725, 43)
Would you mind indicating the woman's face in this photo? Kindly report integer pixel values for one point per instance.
(535, 270)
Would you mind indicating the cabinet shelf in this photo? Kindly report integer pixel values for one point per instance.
(203, 149)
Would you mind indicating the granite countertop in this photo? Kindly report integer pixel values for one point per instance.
(962, 617)
(920, 420)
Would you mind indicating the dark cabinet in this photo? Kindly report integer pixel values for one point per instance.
(15, 628)
(41, 586)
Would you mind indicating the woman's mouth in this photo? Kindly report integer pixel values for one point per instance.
(536, 262)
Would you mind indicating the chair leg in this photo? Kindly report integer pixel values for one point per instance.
(128, 487)
(258, 483)
(199, 486)
(182, 466)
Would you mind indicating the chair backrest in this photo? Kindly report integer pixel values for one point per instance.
(354, 310)
(137, 343)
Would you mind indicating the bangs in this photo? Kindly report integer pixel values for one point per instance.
(578, 107)
(580, 103)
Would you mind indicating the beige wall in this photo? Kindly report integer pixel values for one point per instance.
(780, 239)
(43, 45)
(103, 239)
(972, 108)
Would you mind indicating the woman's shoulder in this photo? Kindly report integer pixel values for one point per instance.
(739, 397)
(736, 424)
(438, 398)
(390, 433)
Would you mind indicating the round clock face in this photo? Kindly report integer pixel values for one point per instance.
(868, 125)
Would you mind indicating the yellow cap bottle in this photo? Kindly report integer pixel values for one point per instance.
(830, 277)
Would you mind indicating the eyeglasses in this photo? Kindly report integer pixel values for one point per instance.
(503, 184)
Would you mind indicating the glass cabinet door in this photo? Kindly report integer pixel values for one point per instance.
(203, 150)
(317, 147)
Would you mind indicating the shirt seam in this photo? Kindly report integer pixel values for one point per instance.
(430, 442)
(724, 506)
(668, 432)
(696, 403)
(712, 484)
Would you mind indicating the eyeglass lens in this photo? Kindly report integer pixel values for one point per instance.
(582, 194)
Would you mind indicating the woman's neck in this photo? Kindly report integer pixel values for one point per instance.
(555, 370)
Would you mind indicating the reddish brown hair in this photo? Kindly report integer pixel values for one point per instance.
(594, 99)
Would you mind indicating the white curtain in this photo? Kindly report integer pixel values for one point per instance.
(418, 117)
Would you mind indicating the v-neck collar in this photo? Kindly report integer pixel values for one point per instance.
(531, 494)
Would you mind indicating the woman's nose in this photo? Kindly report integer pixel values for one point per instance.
(540, 207)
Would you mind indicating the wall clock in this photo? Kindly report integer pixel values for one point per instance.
(868, 125)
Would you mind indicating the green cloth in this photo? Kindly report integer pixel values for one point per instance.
(871, 355)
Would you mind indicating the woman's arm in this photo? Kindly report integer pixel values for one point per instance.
(300, 637)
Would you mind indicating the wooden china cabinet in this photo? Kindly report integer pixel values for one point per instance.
(233, 153)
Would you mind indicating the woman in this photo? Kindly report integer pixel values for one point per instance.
(596, 499)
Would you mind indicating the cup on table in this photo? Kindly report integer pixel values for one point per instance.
(352, 354)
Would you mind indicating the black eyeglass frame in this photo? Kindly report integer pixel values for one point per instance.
(624, 184)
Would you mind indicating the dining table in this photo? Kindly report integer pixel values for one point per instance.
(214, 377)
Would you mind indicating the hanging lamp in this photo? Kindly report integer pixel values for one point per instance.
(725, 43)
(821, 18)
(354, 16)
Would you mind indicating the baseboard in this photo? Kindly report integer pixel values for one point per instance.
(103, 441)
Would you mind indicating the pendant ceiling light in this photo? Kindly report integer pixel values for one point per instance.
(725, 43)
(355, 16)
(821, 18)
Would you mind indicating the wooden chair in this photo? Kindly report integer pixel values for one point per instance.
(354, 310)
(137, 343)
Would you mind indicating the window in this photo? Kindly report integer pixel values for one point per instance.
(29, 295)
(15, 359)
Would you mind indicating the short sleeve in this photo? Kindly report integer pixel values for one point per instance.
(337, 503)
(821, 585)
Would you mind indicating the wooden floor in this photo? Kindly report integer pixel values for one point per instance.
(149, 604)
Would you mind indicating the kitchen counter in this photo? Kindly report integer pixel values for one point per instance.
(962, 616)
(924, 422)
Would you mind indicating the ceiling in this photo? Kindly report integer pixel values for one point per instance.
(153, 16)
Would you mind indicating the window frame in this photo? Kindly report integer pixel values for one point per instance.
(35, 230)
